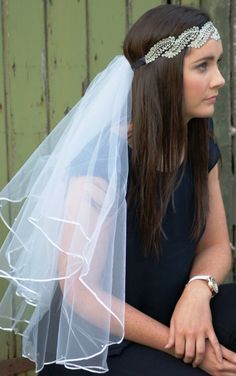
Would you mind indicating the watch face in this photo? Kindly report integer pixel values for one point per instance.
(213, 285)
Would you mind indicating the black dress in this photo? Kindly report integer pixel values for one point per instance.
(154, 286)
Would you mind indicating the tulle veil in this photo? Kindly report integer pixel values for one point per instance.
(64, 255)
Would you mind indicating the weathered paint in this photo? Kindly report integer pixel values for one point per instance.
(139, 7)
(3, 114)
(7, 340)
(66, 54)
(3, 124)
(26, 108)
(106, 31)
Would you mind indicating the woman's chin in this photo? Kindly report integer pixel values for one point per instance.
(205, 114)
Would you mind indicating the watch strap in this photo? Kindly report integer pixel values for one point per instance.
(211, 282)
(200, 276)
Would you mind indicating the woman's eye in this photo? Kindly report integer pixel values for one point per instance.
(202, 67)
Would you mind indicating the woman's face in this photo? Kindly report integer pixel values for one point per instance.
(202, 79)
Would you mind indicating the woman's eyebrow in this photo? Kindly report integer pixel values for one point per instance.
(209, 57)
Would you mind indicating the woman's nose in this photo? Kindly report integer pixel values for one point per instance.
(218, 80)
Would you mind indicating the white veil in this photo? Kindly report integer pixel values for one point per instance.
(64, 256)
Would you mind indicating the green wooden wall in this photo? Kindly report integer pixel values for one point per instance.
(49, 52)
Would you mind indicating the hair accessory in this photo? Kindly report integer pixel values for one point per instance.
(169, 47)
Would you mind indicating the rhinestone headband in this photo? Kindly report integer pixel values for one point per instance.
(169, 47)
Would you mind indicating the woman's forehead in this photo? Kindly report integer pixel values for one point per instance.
(212, 49)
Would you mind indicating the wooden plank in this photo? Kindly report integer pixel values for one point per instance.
(7, 339)
(191, 3)
(3, 94)
(21, 366)
(3, 112)
(220, 12)
(14, 366)
(67, 55)
(26, 115)
(26, 99)
(106, 31)
(139, 7)
(176, 2)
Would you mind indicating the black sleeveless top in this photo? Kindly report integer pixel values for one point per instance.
(154, 285)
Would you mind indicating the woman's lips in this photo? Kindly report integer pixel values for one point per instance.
(211, 99)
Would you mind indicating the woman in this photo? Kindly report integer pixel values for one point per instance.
(177, 241)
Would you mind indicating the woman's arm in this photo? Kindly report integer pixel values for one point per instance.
(213, 254)
(143, 329)
(213, 257)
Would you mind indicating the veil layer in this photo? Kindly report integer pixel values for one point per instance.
(64, 256)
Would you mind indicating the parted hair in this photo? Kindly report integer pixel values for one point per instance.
(161, 141)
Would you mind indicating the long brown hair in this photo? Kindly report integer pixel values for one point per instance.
(161, 141)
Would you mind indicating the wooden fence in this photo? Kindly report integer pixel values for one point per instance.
(49, 52)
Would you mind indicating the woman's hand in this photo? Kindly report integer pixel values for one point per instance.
(213, 367)
(191, 324)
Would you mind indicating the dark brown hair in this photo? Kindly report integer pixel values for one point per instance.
(160, 139)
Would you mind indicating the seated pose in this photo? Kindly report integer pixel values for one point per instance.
(121, 246)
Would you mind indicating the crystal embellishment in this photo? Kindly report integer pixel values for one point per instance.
(194, 37)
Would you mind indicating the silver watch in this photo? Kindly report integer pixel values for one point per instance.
(212, 284)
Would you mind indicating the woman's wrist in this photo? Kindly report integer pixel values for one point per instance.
(198, 287)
